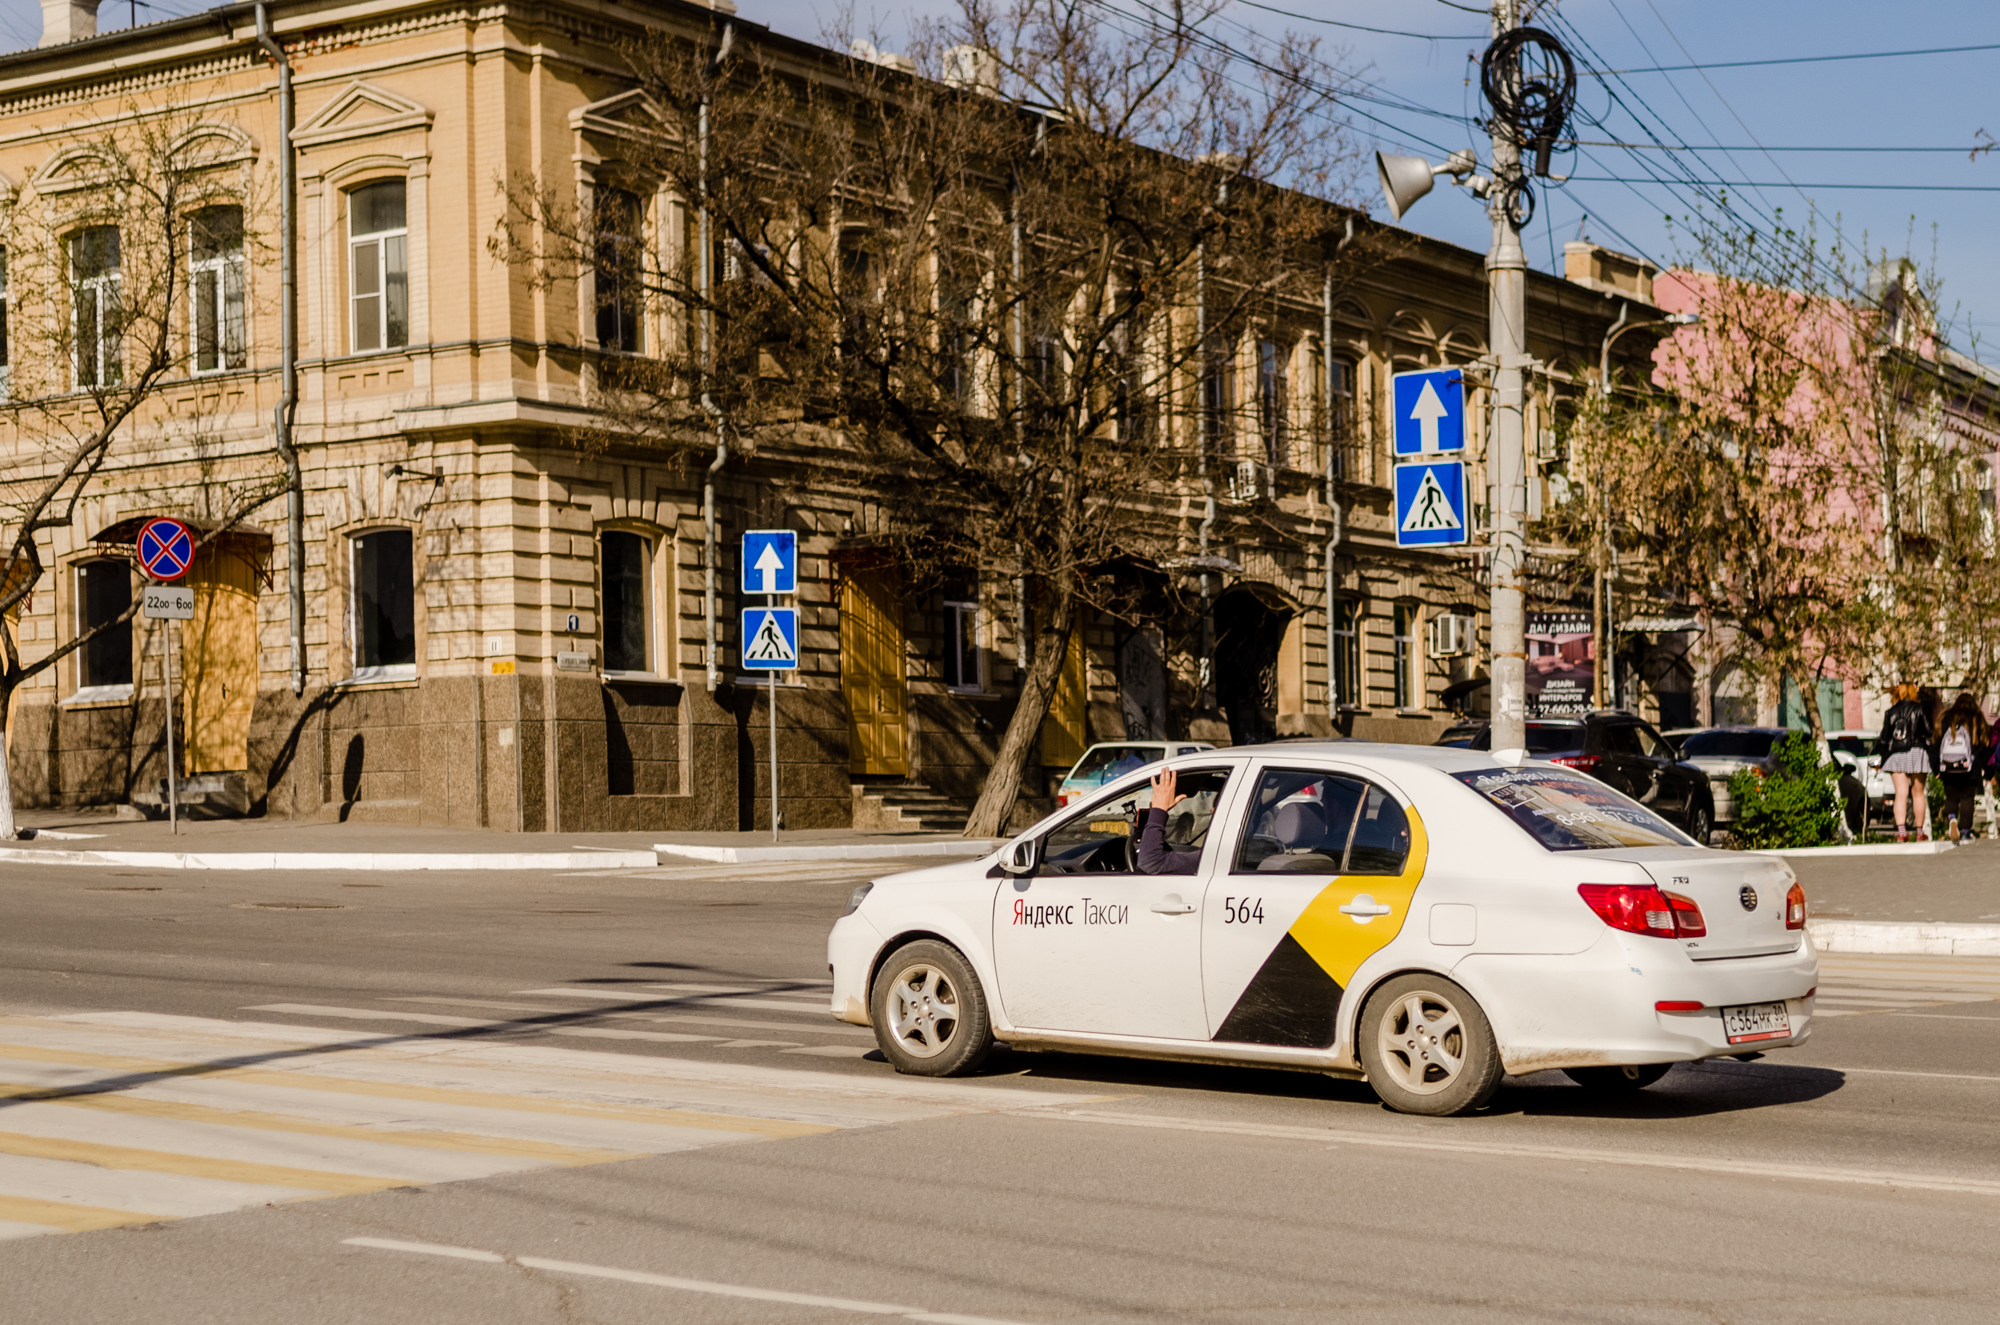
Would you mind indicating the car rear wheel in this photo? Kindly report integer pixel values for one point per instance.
(1617, 1080)
(929, 1011)
(1427, 1048)
(1701, 824)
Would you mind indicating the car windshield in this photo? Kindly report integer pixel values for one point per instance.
(1728, 745)
(1107, 763)
(1567, 811)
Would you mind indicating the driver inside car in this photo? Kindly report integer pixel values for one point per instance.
(1155, 856)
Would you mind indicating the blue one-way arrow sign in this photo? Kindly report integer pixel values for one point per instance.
(770, 561)
(1430, 411)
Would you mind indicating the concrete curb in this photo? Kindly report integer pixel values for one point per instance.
(857, 851)
(1905, 937)
(1860, 849)
(339, 860)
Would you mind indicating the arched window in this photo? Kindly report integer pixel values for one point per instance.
(620, 271)
(378, 244)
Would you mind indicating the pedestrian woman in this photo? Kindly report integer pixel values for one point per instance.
(1905, 745)
(1962, 746)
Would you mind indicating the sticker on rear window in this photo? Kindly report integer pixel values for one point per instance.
(1567, 811)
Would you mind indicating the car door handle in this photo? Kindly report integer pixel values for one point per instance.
(1172, 905)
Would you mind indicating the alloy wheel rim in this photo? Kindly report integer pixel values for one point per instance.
(923, 1010)
(1422, 1039)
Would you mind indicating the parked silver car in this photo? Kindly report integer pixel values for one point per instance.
(1722, 752)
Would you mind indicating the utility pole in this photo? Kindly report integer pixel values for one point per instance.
(1506, 456)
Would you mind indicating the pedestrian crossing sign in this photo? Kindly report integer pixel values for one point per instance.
(1430, 504)
(771, 639)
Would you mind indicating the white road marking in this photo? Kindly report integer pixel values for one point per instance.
(670, 1018)
(707, 1286)
(1431, 1142)
(432, 1019)
(834, 1050)
(678, 1000)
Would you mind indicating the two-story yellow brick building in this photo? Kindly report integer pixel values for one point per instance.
(501, 629)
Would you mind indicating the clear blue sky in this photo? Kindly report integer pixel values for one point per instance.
(1926, 101)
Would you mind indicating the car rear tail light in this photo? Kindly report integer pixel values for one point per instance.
(1583, 763)
(1643, 909)
(1795, 907)
(1676, 1005)
(1687, 917)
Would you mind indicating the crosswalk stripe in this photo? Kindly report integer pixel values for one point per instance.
(769, 1127)
(681, 1000)
(121, 1102)
(433, 1019)
(68, 1218)
(192, 1166)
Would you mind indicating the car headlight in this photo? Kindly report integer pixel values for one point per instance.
(854, 899)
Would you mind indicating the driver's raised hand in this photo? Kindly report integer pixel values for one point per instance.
(1165, 794)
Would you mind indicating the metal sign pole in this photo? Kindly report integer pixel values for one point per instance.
(773, 706)
(173, 764)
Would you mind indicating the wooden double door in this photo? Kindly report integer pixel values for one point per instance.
(872, 676)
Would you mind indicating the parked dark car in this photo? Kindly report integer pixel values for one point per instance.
(1619, 749)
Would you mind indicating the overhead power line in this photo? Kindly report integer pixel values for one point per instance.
(1793, 59)
(1685, 147)
(1362, 27)
(1804, 184)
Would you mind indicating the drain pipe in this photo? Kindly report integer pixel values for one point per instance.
(288, 396)
(708, 405)
(1207, 671)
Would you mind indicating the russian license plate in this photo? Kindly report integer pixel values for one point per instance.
(1756, 1021)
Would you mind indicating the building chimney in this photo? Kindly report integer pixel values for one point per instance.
(68, 20)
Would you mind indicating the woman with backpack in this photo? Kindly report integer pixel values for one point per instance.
(1963, 741)
(1905, 747)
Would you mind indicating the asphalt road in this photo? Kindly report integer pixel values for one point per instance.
(1857, 1179)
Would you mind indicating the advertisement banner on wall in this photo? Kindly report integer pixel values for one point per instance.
(1561, 664)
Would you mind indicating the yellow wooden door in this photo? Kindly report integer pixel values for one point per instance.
(1062, 727)
(218, 657)
(871, 671)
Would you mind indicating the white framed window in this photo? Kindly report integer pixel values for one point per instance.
(1409, 660)
(1346, 653)
(620, 271)
(215, 284)
(94, 267)
(625, 602)
(1274, 400)
(378, 245)
(383, 602)
(104, 664)
(964, 664)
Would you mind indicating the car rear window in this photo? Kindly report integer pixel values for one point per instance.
(1728, 745)
(1567, 811)
(1110, 762)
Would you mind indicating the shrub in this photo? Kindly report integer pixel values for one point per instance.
(1798, 805)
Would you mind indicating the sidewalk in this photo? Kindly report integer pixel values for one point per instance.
(1943, 905)
(282, 844)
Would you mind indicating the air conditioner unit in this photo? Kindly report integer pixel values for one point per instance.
(1250, 481)
(1453, 636)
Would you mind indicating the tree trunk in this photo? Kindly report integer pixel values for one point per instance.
(1003, 782)
(8, 829)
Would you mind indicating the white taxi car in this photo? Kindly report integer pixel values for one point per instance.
(1422, 917)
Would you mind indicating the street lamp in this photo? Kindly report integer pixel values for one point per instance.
(1601, 631)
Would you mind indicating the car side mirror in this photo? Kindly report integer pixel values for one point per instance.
(1022, 857)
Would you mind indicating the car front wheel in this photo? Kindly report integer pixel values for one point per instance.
(929, 1011)
(1427, 1047)
(1701, 824)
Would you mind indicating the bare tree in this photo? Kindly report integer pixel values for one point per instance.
(124, 275)
(1001, 288)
